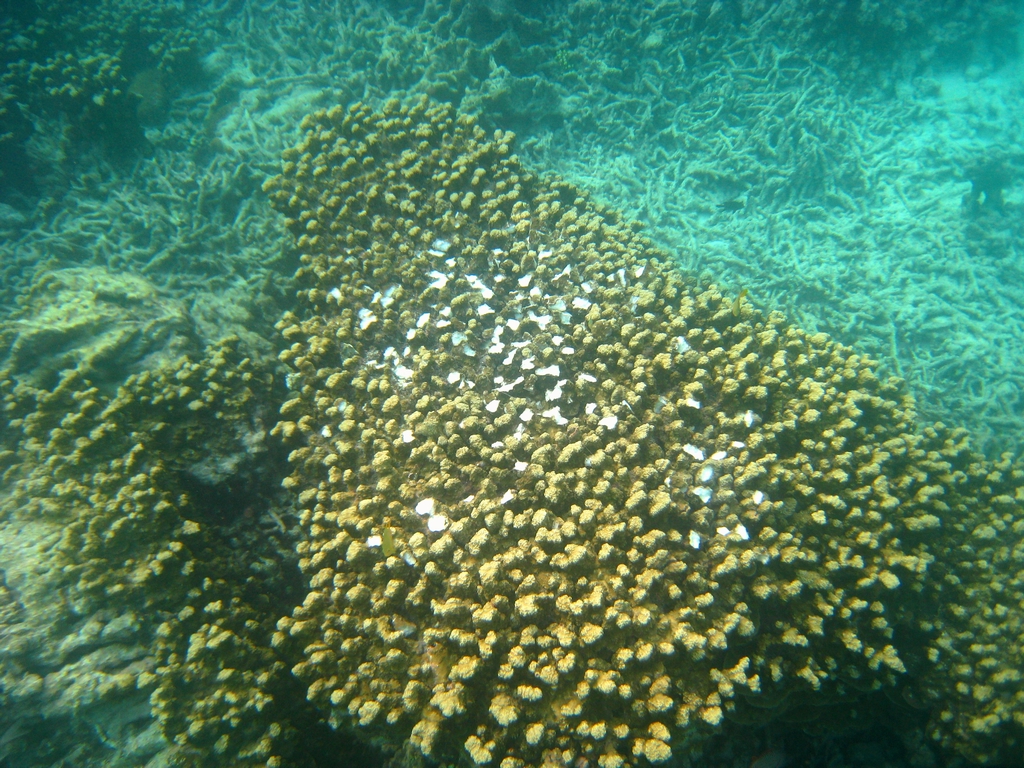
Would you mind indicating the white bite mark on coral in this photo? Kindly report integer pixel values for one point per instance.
(704, 494)
(524, 281)
(535, 292)
(757, 497)
(366, 318)
(410, 560)
(335, 294)
(609, 422)
(749, 418)
(580, 303)
(443, 323)
(389, 296)
(509, 357)
(402, 372)
(497, 251)
(555, 414)
(468, 351)
(477, 284)
(507, 497)
(484, 309)
(737, 444)
(694, 539)
(590, 408)
(587, 378)
(407, 436)
(588, 287)
(492, 406)
(425, 507)
(445, 312)
(568, 351)
(741, 531)
(521, 466)
(440, 279)
(554, 393)
(551, 370)
(373, 541)
(449, 262)
(694, 452)
(706, 474)
(527, 364)
(543, 254)
(437, 523)
(469, 499)
(326, 431)
(621, 274)
(541, 320)
(692, 403)
(458, 337)
(722, 531)
(526, 415)
(512, 323)
(682, 345)
(441, 244)
(422, 320)
(410, 334)
(718, 455)
(454, 376)
(639, 272)
(507, 387)
(560, 275)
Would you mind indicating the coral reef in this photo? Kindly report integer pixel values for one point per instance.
(88, 72)
(125, 588)
(562, 504)
(592, 569)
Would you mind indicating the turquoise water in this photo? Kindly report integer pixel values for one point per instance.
(856, 168)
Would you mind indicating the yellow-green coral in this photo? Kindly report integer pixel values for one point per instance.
(620, 509)
(110, 475)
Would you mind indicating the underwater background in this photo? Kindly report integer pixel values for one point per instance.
(848, 172)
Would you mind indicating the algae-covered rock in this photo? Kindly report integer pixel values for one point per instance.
(101, 323)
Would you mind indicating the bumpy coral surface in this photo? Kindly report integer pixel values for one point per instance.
(118, 586)
(560, 503)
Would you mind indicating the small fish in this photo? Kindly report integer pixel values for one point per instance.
(773, 757)
(732, 205)
(387, 542)
(407, 628)
(737, 303)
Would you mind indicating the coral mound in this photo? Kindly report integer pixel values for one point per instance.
(559, 502)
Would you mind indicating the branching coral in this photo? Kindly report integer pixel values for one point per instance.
(559, 502)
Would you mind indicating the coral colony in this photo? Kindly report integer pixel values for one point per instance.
(615, 502)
